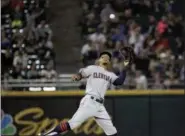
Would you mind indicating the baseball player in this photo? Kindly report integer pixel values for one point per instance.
(92, 104)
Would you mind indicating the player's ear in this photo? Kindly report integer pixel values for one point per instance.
(97, 62)
(110, 68)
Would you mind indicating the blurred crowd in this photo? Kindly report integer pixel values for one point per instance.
(26, 40)
(152, 27)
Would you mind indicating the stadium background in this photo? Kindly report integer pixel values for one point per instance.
(43, 42)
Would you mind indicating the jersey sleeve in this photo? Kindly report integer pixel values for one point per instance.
(87, 71)
(120, 80)
(113, 77)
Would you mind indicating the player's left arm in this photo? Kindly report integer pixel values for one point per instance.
(120, 80)
(128, 58)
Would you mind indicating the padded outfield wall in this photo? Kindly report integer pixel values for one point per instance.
(135, 113)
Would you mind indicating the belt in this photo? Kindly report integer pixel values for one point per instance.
(101, 101)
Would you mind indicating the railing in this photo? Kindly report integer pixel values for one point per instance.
(64, 82)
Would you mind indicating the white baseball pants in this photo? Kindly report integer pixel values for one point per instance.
(90, 108)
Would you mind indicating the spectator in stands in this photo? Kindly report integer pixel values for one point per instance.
(4, 3)
(31, 16)
(118, 35)
(30, 20)
(154, 63)
(162, 26)
(147, 47)
(42, 3)
(170, 80)
(17, 18)
(180, 45)
(43, 30)
(17, 3)
(50, 54)
(98, 39)
(141, 81)
(86, 48)
(24, 60)
(49, 73)
(151, 25)
(41, 48)
(16, 72)
(85, 7)
(88, 52)
(44, 51)
(31, 47)
(5, 42)
(17, 36)
(157, 81)
(116, 50)
(182, 73)
(18, 43)
(132, 32)
(106, 13)
(136, 38)
(33, 73)
(117, 57)
(89, 23)
(178, 27)
(6, 60)
(17, 59)
(161, 44)
(5, 85)
(49, 43)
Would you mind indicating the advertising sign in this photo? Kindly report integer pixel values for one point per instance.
(133, 115)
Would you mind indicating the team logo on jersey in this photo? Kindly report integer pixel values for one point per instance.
(102, 76)
(7, 126)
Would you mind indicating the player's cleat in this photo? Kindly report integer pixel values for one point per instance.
(61, 128)
(115, 134)
(50, 133)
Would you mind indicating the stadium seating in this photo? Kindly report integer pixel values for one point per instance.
(153, 28)
(21, 37)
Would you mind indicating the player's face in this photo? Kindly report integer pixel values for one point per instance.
(104, 59)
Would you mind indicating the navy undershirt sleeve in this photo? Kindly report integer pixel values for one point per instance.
(120, 79)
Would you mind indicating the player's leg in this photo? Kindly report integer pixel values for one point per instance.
(104, 121)
(107, 126)
(62, 127)
(86, 110)
(78, 118)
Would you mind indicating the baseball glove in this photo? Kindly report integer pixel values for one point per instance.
(128, 55)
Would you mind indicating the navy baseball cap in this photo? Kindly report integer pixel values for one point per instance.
(106, 53)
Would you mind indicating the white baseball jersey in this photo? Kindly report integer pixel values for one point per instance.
(98, 80)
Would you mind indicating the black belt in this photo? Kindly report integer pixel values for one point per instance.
(101, 101)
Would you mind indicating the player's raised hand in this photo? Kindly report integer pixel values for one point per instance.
(76, 77)
(128, 56)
